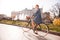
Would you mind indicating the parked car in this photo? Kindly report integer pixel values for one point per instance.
(2, 16)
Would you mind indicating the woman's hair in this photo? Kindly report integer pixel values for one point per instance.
(37, 5)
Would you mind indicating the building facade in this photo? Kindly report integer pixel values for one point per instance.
(21, 15)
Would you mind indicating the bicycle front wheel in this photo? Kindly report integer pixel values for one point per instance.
(27, 27)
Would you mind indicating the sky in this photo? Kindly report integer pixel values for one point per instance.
(6, 6)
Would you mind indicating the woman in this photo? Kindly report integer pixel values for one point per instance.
(36, 18)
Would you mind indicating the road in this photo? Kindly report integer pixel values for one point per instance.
(9, 32)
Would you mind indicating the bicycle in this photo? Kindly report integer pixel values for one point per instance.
(28, 27)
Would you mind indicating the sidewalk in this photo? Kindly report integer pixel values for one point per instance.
(50, 36)
(9, 32)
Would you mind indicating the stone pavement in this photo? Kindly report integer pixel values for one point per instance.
(9, 32)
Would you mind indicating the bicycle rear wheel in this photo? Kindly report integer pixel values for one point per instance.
(44, 29)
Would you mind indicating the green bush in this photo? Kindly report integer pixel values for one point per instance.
(20, 23)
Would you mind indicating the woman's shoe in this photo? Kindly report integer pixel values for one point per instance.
(35, 32)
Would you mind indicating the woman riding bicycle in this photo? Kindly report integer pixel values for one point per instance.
(36, 18)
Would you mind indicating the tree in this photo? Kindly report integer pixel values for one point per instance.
(58, 6)
(46, 17)
(55, 10)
